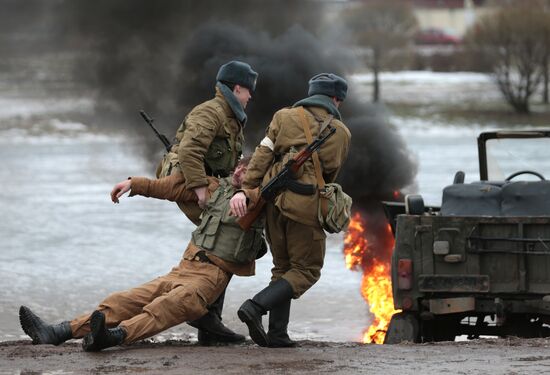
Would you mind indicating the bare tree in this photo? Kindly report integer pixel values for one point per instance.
(545, 63)
(512, 40)
(381, 26)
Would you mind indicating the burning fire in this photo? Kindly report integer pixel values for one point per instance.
(374, 259)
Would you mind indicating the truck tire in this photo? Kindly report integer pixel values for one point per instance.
(414, 204)
(403, 327)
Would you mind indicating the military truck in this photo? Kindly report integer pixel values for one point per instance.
(480, 263)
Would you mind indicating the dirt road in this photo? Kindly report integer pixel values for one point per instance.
(494, 356)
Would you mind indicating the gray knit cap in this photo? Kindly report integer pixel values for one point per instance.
(238, 73)
(328, 84)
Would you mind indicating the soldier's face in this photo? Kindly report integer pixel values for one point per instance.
(242, 94)
(238, 175)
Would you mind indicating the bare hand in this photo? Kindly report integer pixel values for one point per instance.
(120, 189)
(238, 204)
(201, 196)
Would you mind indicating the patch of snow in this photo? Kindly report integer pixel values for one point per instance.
(425, 77)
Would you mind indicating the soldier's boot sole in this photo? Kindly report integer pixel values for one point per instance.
(91, 340)
(40, 332)
(100, 336)
(249, 316)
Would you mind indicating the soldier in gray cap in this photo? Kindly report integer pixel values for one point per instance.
(295, 236)
(209, 143)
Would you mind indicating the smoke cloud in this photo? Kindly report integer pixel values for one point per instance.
(163, 57)
(285, 64)
(378, 151)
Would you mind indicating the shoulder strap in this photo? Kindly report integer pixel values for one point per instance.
(324, 123)
(315, 156)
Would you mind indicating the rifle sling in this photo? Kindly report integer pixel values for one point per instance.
(315, 156)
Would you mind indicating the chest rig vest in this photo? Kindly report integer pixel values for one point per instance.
(226, 147)
(220, 234)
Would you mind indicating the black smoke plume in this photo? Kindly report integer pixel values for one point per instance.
(162, 56)
(285, 63)
(132, 52)
(378, 163)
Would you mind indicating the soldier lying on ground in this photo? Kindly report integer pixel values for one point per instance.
(218, 249)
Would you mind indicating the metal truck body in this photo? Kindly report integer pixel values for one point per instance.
(480, 263)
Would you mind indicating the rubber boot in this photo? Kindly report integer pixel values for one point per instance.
(211, 328)
(41, 332)
(252, 310)
(277, 336)
(100, 336)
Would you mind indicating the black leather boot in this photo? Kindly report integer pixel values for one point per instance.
(277, 336)
(102, 337)
(211, 328)
(251, 311)
(41, 332)
(213, 331)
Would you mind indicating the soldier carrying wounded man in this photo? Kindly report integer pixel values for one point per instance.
(209, 143)
(218, 249)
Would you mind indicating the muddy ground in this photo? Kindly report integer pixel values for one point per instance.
(488, 356)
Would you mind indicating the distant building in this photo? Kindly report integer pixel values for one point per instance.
(454, 17)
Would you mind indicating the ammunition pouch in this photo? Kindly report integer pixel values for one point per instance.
(220, 234)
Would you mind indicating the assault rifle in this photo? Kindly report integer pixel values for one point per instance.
(162, 137)
(285, 180)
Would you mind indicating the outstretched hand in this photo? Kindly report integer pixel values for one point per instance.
(120, 189)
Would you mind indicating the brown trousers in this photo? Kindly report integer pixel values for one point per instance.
(298, 250)
(179, 296)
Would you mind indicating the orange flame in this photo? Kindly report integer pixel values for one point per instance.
(376, 283)
(355, 243)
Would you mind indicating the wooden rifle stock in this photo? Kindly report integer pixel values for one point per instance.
(246, 221)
